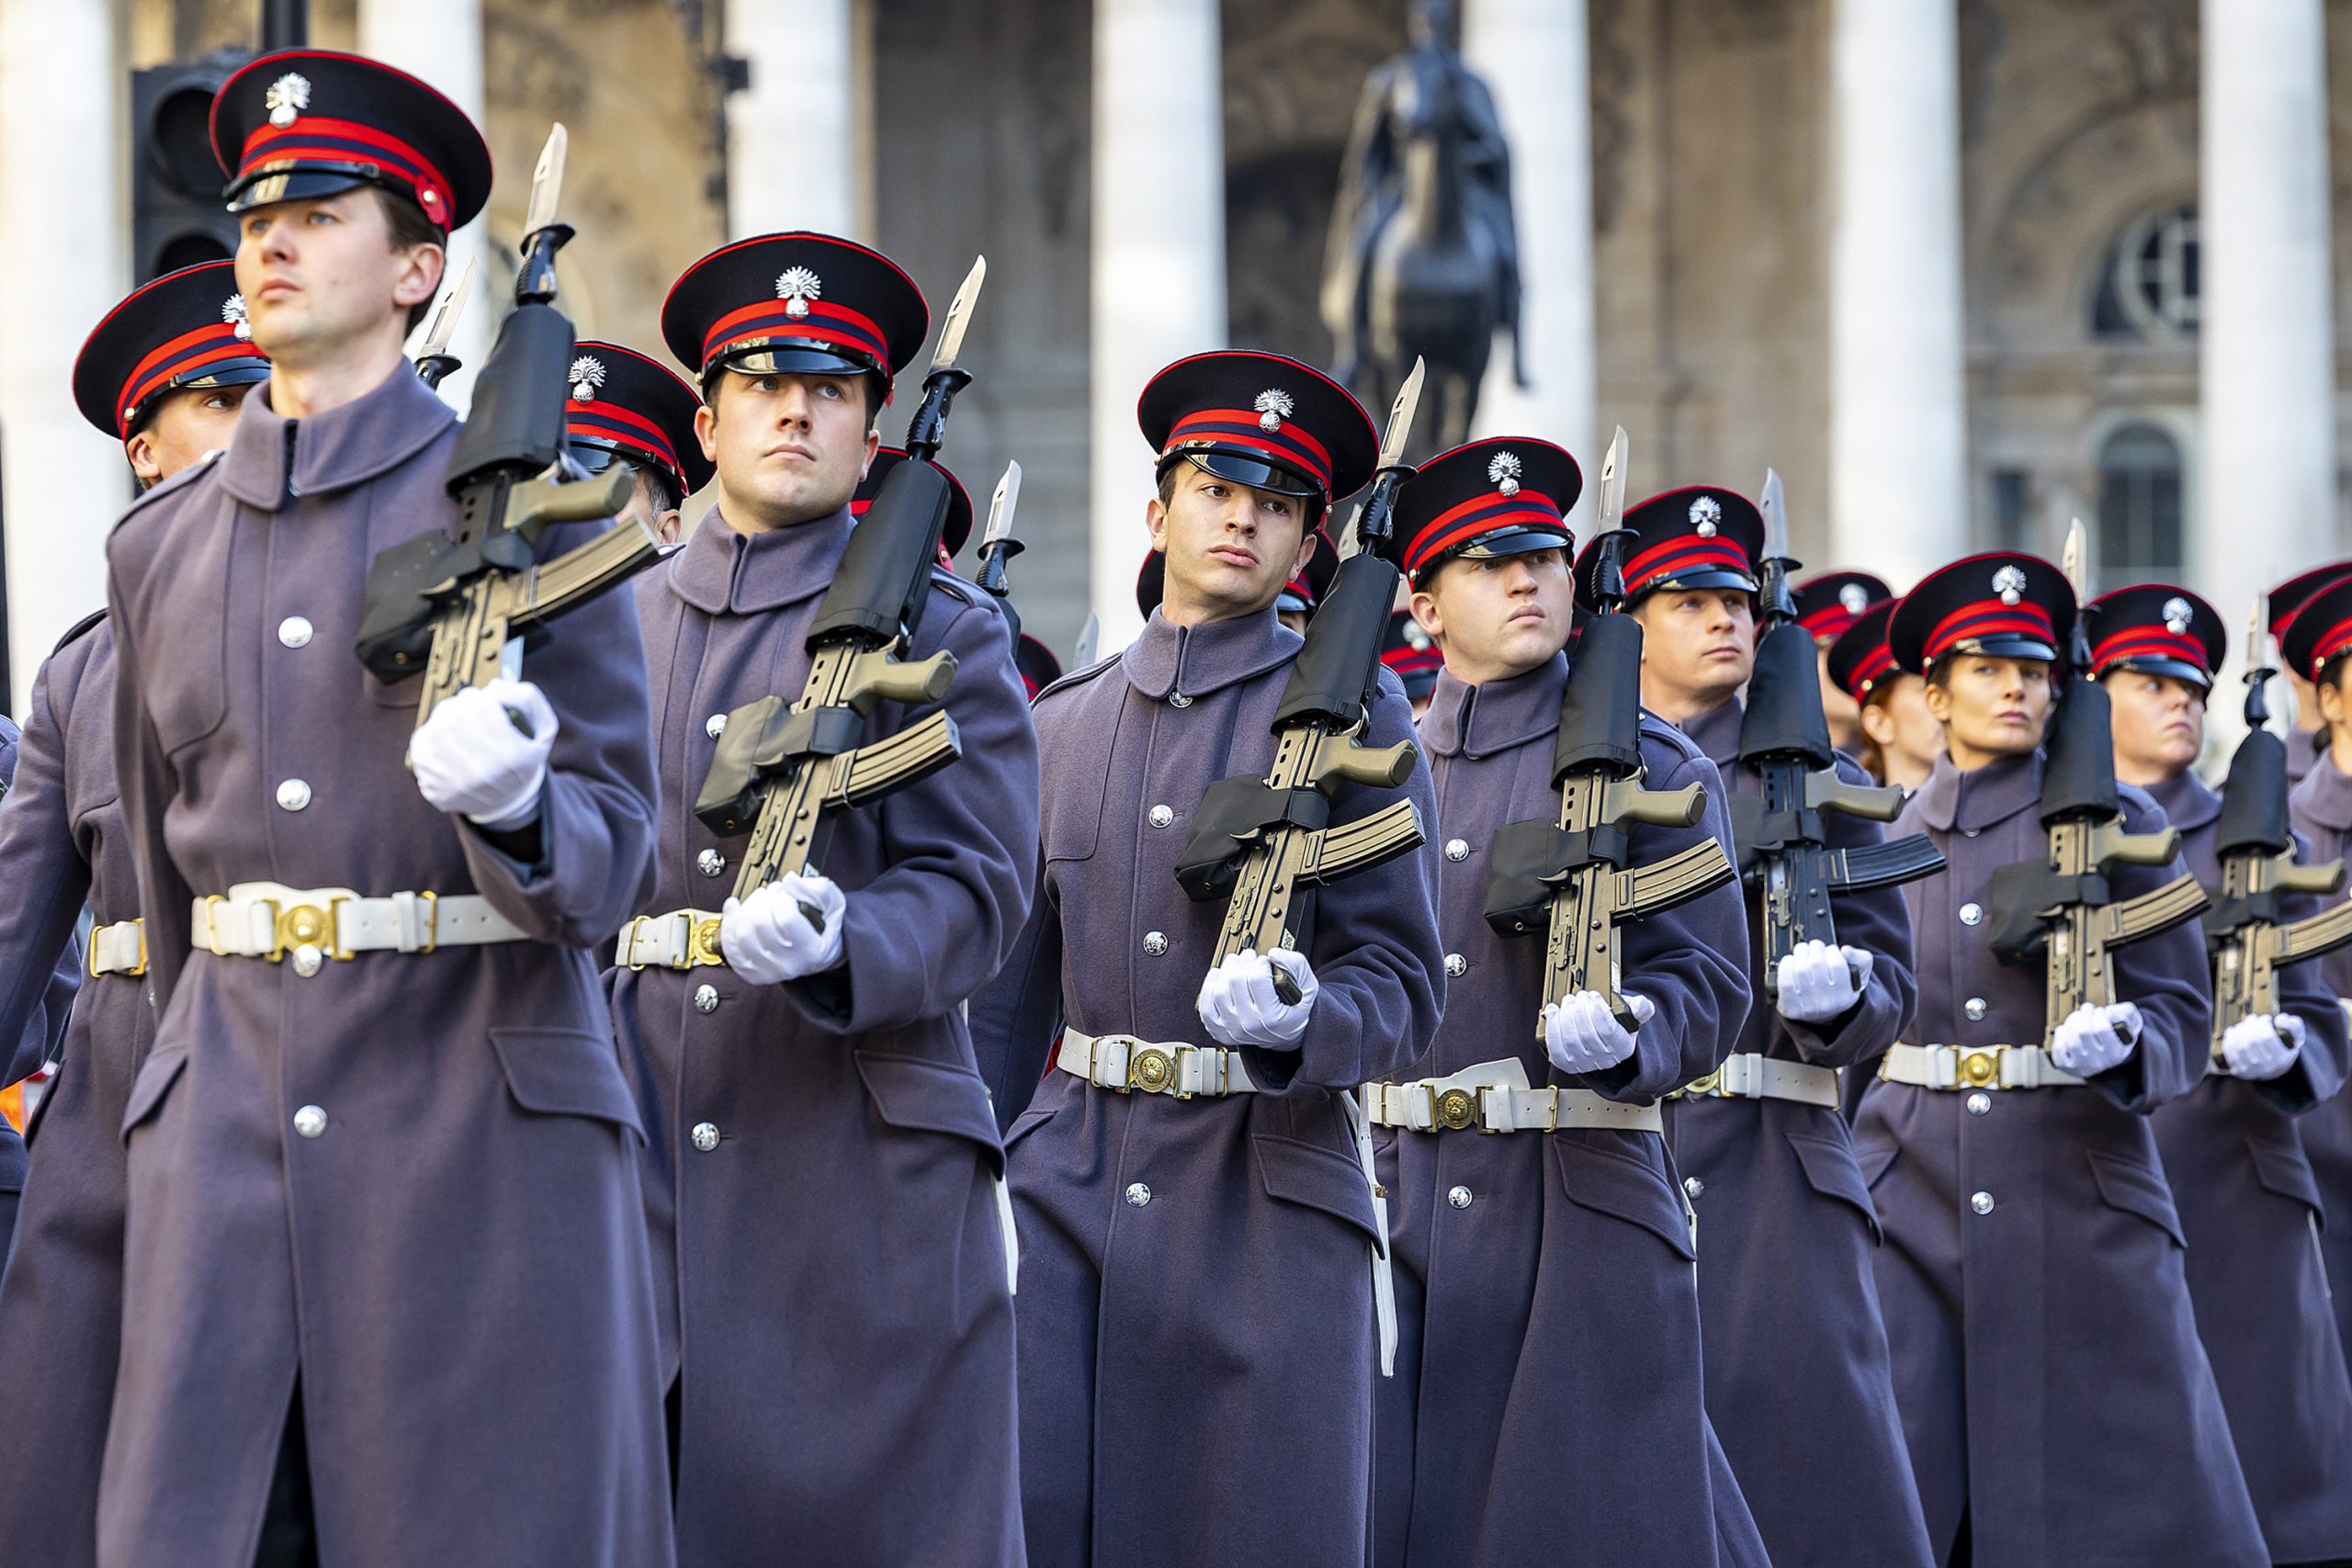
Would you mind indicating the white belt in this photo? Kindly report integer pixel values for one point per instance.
(119, 949)
(1493, 1097)
(1973, 1067)
(679, 939)
(1751, 1075)
(266, 920)
(1122, 1062)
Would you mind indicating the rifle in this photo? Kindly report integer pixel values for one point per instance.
(2256, 846)
(784, 773)
(998, 547)
(434, 362)
(1570, 875)
(2060, 910)
(1255, 841)
(455, 607)
(1784, 740)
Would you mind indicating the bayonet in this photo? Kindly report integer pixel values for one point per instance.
(959, 316)
(1089, 636)
(1392, 447)
(1612, 484)
(547, 181)
(998, 547)
(434, 362)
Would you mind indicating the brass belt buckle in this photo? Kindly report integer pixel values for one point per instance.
(1151, 1070)
(304, 925)
(1455, 1110)
(1711, 1084)
(1980, 1067)
(703, 947)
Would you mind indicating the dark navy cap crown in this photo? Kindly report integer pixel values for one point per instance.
(795, 303)
(1861, 658)
(1829, 602)
(2005, 604)
(622, 402)
(1698, 536)
(1505, 495)
(1261, 420)
(2156, 629)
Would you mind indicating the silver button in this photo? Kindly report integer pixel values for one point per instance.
(1459, 1197)
(710, 862)
(1694, 1186)
(1138, 1194)
(293, 795)
(706, 1000)
(1970, 832)
(1457, 849)
(1179, 700)
(1979, 1102)
(306, 960)
(294, 632)
(310, 1121)
(705, 1135)
(1161, 815)
(1155, 942)
(1981, 1202)
(1974, 1006)
(1971, 913)
(1456, 965)
(715, 726)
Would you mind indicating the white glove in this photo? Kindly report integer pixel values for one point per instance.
(2091, 1040)
(473, 758)
(769, 938)
(1819, 982)
(2262, 1047)
(1582, 1036)
(1238, 1005)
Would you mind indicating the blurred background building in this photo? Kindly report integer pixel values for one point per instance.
(1960, 270)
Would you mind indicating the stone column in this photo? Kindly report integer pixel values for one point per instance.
(2268, 324)
(792, 138)
(1158, 255)
(1533, 54)
(63, 112)
(440, 43)
(1898, 427)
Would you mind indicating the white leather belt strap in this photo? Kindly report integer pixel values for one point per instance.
(1493, 1097)
(683, 939)
(267, 920)
(1751, 1075)
(1973, 1067)
(1122, 1062)
(119, 949)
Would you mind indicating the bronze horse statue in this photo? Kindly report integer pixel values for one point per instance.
(1423, 259)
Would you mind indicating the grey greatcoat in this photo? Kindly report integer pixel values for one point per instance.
(2249, 1208)
(455, 1266)
(1553, 1313)
(2322, 813)
(1197, 1340)
(61, 846)
(1798, 1374)
(38, 989)
(832, 1265)
(2046, 1362)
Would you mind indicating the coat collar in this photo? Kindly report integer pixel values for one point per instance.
(2326, 795)
(2188, 804)
(1479, 721)
(1975, 800)
(721, 572)
(1196, 660)
(1716, 731)
(331, 451)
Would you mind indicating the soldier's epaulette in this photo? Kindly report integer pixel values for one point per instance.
(77, 628)
(1077, 677)
(1657, 730)
(172, 486)
(955, 587)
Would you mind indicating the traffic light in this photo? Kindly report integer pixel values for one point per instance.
(176, 218)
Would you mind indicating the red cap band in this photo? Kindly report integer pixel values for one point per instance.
(314, 139)
(1989, 617)
(182, 359)
(1684, 552)
(1489, 513)
(1288, 444)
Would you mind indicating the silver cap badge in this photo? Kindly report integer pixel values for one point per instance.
(232, 311)
(288, 96)
(1855, 598)
(2176, 614)
(1705, 513)
(587, 375)
(1502, 472)
(1273, 406)
(2009, 583)
(796, 287)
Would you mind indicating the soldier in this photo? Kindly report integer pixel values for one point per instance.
(840, 1370)
(2046, 1359)
(1765, 1154)
(387, 1297)
(628, 409)
(2234, 1160)
(1545, 1303)
(1412, 655)
(164, 373)
(1828, 604)
(44, 996)
(1197, 1318)
(2313, 647)
(1901, 737)
(2308, 740)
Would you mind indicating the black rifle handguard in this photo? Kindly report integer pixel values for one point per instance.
(514, 425)
(1601, 707)
(2079, 779)
(2254, 814)
(885, 572)
(1335, 674)
(1785, 717)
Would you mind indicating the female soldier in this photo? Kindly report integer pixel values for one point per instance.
(2046, 1362)
(1901, 739)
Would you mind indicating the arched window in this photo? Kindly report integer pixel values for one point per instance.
(2139, 507)
(2150, 289)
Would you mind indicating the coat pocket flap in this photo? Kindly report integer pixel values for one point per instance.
(921, 1096)
(1874, 1159)
(1630, 1189)
(566, 1072)
(2285, 1170)
(2136, 1190)
(1832, 1170)
(1300, 1172)
(156, 1076)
